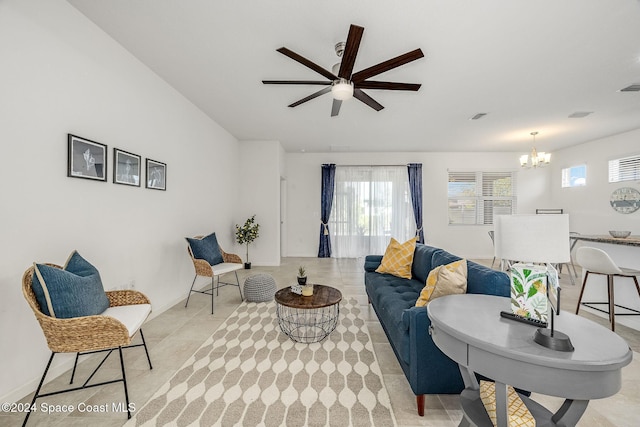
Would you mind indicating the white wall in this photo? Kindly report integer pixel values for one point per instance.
(303, 185)
(588, 207)
(260, 172)
(60, 74)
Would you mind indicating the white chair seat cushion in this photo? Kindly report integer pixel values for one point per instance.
(630, 272)
(131, 316)
(225, 267)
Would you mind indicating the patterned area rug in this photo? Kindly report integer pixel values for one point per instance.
(250, 374)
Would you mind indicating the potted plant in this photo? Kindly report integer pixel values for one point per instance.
(307, 288)
(247, 234)
(302, 276)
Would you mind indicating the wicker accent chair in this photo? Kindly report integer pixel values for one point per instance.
(90, 334)
(232, 263)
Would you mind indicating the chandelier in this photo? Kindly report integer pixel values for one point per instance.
(535, 159)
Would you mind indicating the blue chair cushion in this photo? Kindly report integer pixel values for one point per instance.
(206, 248)
(74, 291)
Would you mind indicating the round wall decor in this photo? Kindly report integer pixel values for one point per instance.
(625, 200)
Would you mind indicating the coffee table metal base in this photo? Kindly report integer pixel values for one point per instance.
(307, 325)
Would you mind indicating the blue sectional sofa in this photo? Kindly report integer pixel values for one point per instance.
(428, 370)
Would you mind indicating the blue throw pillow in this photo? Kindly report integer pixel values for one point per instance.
(206, 248)
(74, 291)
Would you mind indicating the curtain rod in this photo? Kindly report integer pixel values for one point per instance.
(369, 166)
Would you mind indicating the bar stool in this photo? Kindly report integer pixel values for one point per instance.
(597, 261)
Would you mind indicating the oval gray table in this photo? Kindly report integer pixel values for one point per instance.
(468, 328)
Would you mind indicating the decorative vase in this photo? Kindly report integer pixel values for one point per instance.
(247, 266)
(302, 280)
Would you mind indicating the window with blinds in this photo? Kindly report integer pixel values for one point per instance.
(476, 197)
(624, 169)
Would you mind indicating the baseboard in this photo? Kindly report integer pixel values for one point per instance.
(63, 362)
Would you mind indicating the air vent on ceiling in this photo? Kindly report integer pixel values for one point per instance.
(632, 88)
(478, 116)
(580, 114)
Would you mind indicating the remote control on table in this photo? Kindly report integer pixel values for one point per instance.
(527, 320)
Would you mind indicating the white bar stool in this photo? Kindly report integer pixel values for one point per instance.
(597, 261)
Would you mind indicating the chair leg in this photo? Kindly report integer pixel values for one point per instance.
(574, 267)
(124, 380)
(493, 262)
(238, 282)
(75, 365)
(37, 393)
(573, 283)
(612, 305)
(144, 344)
(213, 283)
(191, 290)
(635, 279)
(584, 283)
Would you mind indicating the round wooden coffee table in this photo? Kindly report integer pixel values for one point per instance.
(308, 319)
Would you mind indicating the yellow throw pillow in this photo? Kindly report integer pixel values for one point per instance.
(444, 280)
(517, 411)
(398, 258)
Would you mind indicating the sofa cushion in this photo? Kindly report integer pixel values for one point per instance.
(392, 296)
(398, 258)
(422, 261)
(444, 280)
(480, 279)
(206, 248)
(74, 291)
(371, 262)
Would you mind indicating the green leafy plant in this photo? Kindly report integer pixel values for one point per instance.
(247, 233)
(302, 272)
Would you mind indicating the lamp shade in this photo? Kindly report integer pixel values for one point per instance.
(342, 89)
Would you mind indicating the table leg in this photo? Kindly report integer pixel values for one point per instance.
(469, 378)
(570, 412)
(502, 417)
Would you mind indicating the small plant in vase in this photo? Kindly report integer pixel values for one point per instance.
(302, 275)
(307, 288)
(247, 234)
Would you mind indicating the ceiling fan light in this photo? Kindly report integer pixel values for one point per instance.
(342, 89)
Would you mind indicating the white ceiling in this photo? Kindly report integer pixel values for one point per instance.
(527, 64)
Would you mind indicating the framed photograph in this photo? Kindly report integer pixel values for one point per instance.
(127, 168)
(87, 159)
(156, 175)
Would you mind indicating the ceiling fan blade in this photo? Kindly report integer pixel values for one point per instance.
(350, 51)
(304, 61)
(296, 82)
(388, 85)
(312, 96)
(335, 108)
(360, 95)
(387, 65)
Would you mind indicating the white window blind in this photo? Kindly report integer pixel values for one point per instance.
(476, 197)
(624, 169)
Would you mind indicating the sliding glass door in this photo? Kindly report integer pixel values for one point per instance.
(371, 204)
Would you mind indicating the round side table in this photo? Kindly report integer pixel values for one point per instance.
(308, 319)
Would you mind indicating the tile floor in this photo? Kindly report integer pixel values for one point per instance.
(174, 335)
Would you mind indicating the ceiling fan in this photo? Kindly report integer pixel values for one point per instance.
(342, 82)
